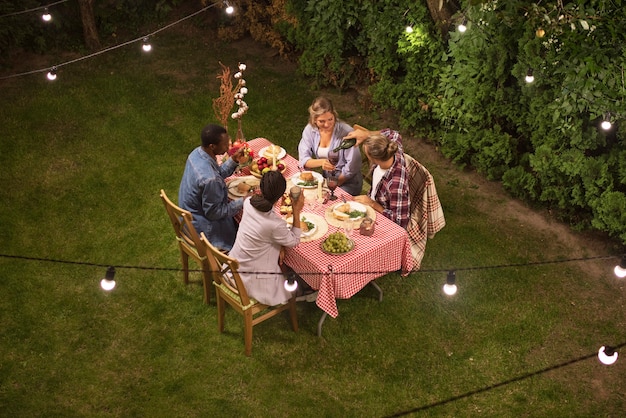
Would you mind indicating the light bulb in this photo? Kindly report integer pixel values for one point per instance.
(620, 269)
(606, 125)
(409, 29)
(529, 76)
(229, 9)
(46, 16)
(450, 287)
(52, 74)
(291, 286)
(462, 27)
(607, 355)
(147, 47)
(108, 283)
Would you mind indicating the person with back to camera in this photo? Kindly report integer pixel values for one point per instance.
(261, 239)
(389, 194)
(320, 137)
(203, 191)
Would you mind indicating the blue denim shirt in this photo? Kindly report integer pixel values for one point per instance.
(204, 193)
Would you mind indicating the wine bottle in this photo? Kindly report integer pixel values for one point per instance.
(345, 144)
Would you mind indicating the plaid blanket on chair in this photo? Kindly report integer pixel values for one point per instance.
(426, 213)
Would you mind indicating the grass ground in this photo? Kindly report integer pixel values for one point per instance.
(82, 162)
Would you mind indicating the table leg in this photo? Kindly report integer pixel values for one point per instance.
(320, 323)
(380, 291)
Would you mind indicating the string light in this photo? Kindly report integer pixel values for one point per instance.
(620, 269)
(147, 47)
(52, 74)
(450, 287)
(290, 283)
(607, 355)
(463, 26)
(46, 16)
(36, 9)
(112, 47)
(529, 76)
(108, 283)
(606, 122)
(409, 29)
(229, 9)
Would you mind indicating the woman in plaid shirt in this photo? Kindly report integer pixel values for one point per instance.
(390, 182)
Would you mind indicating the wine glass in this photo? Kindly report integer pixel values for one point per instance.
(332, 181)
(333, 157)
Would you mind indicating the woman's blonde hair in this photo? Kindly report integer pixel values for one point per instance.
(320, 106)
(380, 147)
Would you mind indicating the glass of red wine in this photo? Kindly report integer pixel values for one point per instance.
(332, 181)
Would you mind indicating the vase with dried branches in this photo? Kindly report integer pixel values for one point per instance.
(231, 95)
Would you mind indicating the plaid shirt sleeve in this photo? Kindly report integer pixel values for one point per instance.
(393, 193)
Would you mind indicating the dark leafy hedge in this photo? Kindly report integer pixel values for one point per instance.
(467, 91)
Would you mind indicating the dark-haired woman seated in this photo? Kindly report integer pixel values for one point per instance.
(260, 239)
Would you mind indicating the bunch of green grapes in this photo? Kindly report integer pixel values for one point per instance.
(336, 243)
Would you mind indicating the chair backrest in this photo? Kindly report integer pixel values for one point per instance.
(426, 212)
(225, 271)
(182, 222)
(418, 177)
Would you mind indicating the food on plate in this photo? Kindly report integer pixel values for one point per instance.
(306, 176)
(306, 179)
(285, 205)
(271, 151)
(337, 243)
(243, 187)
(345, 211)
(262, 165)
(306, 225)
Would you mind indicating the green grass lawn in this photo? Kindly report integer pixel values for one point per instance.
(82, 163)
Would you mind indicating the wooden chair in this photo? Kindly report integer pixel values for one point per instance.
(426, 212)
(229, 288)
(188, 243)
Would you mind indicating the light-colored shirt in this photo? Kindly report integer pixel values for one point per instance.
(349, 164)
(257, 247)
(204, 193)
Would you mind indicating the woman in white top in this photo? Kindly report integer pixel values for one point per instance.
(320, 137)
(260, 239)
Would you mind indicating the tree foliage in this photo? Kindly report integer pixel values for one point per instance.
(464, 91)
(467, 91)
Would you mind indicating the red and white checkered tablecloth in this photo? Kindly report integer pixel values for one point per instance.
(342, 276)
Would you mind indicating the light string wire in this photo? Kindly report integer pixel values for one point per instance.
(437, 270)
(423, 407)
(500, 384)
(102, 51)
(34, 9)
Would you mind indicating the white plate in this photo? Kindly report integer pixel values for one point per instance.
(307, 233)
(232, 185)
(280, 155)
(296, 180)
(353, 206)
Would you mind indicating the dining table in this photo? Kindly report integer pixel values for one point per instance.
(340, 276)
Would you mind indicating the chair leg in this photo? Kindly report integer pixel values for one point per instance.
(247, 331)
(220, 312)
(206, 284)
(293, 314)
(185, 261)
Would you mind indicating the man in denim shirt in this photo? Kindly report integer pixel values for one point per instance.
(203, 191)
